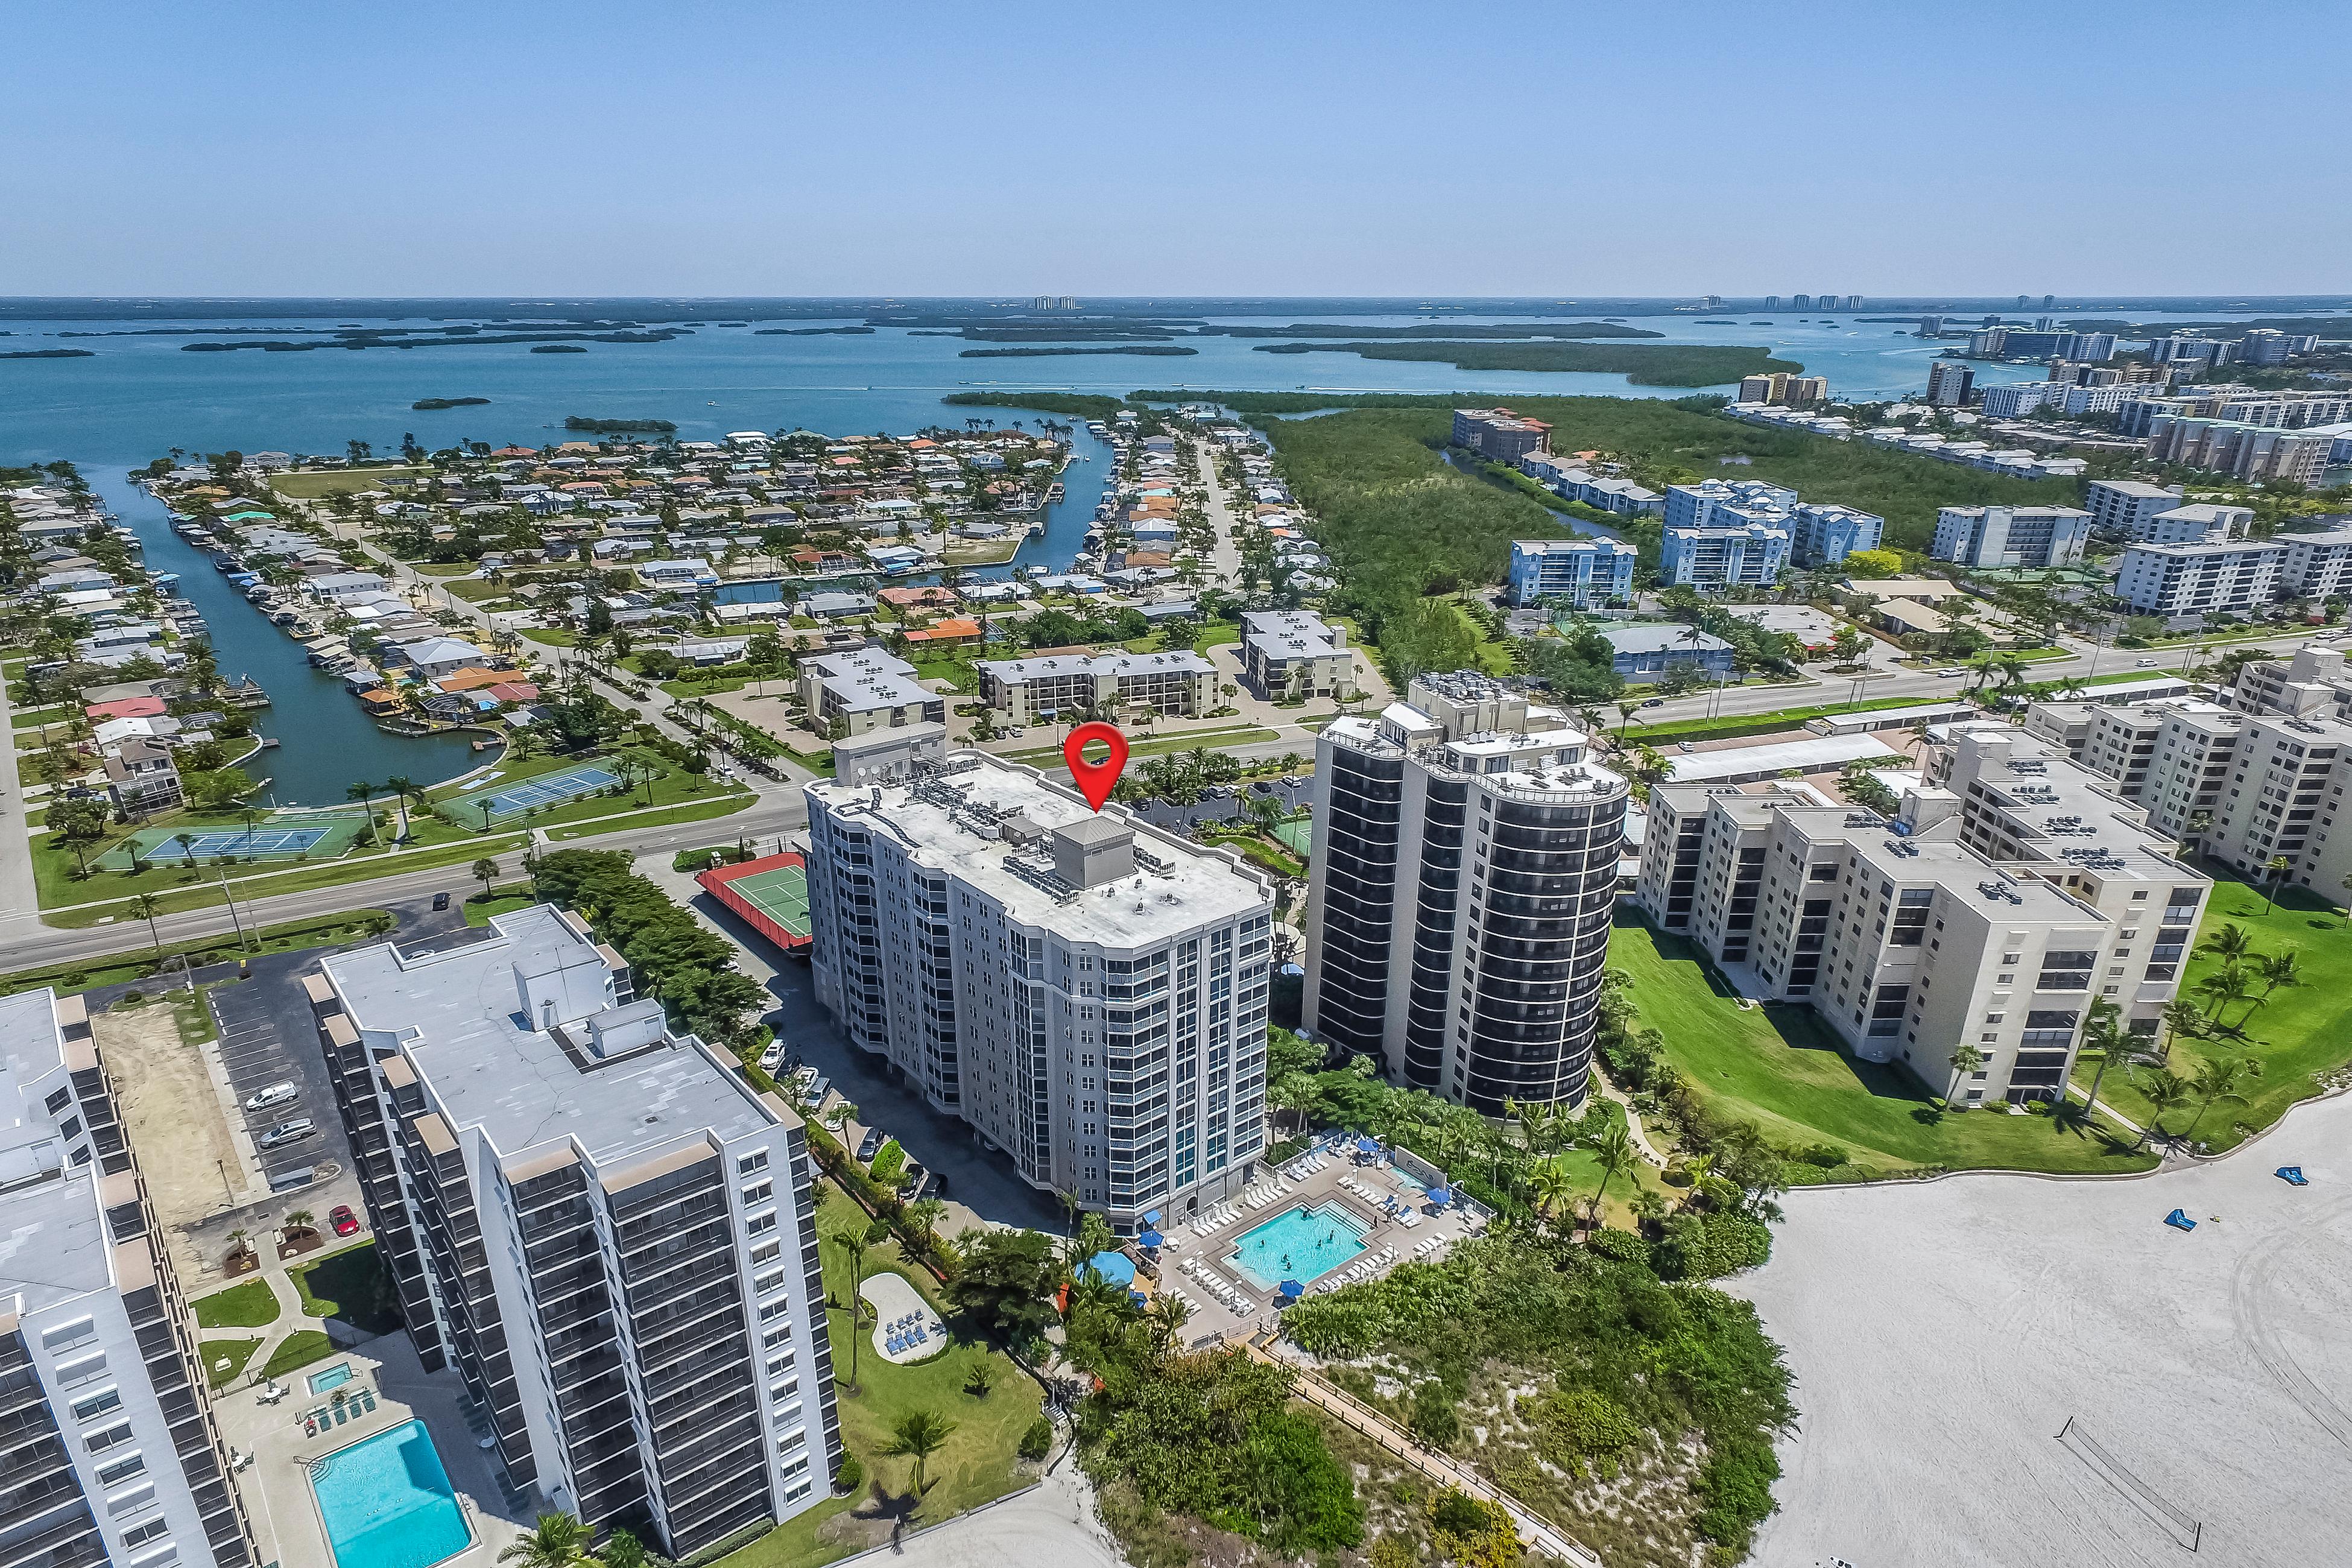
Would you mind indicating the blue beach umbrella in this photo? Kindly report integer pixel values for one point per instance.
(1292, 1290)
(1150, 1238)
(1367, 1146)
(1441, 1196)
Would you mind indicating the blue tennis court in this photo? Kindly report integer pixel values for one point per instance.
(547, 789)
(258, 841)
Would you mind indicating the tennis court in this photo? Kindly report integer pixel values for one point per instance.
(781, 895)
(772, 893)
(1298, 834)
(529, 795)
(269, 838)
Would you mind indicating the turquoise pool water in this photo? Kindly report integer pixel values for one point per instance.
(387, 1502)
(334, 1377)
(1299, 1244)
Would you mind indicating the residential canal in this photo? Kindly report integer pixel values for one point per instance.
(325, 742)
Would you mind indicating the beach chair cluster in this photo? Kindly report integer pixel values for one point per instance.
(903, 1334)
(1235, 1297)
(1364, 1267)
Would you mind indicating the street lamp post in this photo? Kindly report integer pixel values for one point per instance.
(234, 918)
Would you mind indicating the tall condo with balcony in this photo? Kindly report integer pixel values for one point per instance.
(2023, 536)
(109, 1452)
(1463, 874)
(604, 1227)
(1087, 991)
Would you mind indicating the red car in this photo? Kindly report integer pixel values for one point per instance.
(342, 1219)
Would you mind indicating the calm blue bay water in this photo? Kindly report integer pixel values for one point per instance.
(138, 398)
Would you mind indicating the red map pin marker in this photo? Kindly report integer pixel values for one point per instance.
(1095, 780)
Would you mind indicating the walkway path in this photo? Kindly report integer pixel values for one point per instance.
(1640, 1134)
(289, 1322)
(1358, 1416)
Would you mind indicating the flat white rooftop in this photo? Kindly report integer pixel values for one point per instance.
(957, 822)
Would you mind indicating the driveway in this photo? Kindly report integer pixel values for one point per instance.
(978, 1188)
(1944, 1335)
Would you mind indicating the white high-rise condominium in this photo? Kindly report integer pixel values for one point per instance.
(1089, 992)
(109, 1452)
(1463, 874)
(604, 1226)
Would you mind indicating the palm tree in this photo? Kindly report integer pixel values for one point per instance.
(2104, 1035)
(365, 793)
(851, 1239)
(2278, 971)
(558, 1541)
(2217, 1079)
(144, 906)
(2224, 985)
(186, 841)
(2179, 1018)
(918, 1435)
(1966, 1060)
(2277, 866)
(1168, 1316)
(1625, 711)
(400, 786)
(1614, 1150)
(485, 872)
(2200, 823)
(2230, 944)
(2166, 1091)
(1553, 1188)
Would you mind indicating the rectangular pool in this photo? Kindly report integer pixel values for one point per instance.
(387, 1503)
(1299, 1244)
(334, 1377)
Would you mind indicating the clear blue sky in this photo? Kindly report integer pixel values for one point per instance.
(1351, 149)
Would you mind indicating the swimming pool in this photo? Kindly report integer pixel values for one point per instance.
(1299, 1244)
(387, 1503)
(334, 1377)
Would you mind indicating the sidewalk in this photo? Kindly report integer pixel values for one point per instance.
(1533, 1529)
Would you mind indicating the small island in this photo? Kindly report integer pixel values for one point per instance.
(1030, 353)
(619, 426)
(431, 403)
(47, 353)
(559, 349)
(808, 332)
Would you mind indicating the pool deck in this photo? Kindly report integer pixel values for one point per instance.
(277, 1489)
(1197, 1264)
(892, 1299)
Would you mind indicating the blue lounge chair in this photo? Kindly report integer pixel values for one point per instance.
(2179, 1221)
(2293, 1176)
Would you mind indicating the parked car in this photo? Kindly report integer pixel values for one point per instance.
(869, 1145)
(440, 900)
(286, 1131)
(772, 1058)
(345, 1222)
(276, 1094)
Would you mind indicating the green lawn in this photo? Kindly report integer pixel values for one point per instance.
(480, 908)
(247, 1306)
(325, 482)
(2301, 1035)
(721, 806)
(112, 969)
(349, 1286)
(300, 1349)
(1157, 745)
(977, 1466)
(1779, 1067)
(235, 1353)
(186, 891)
